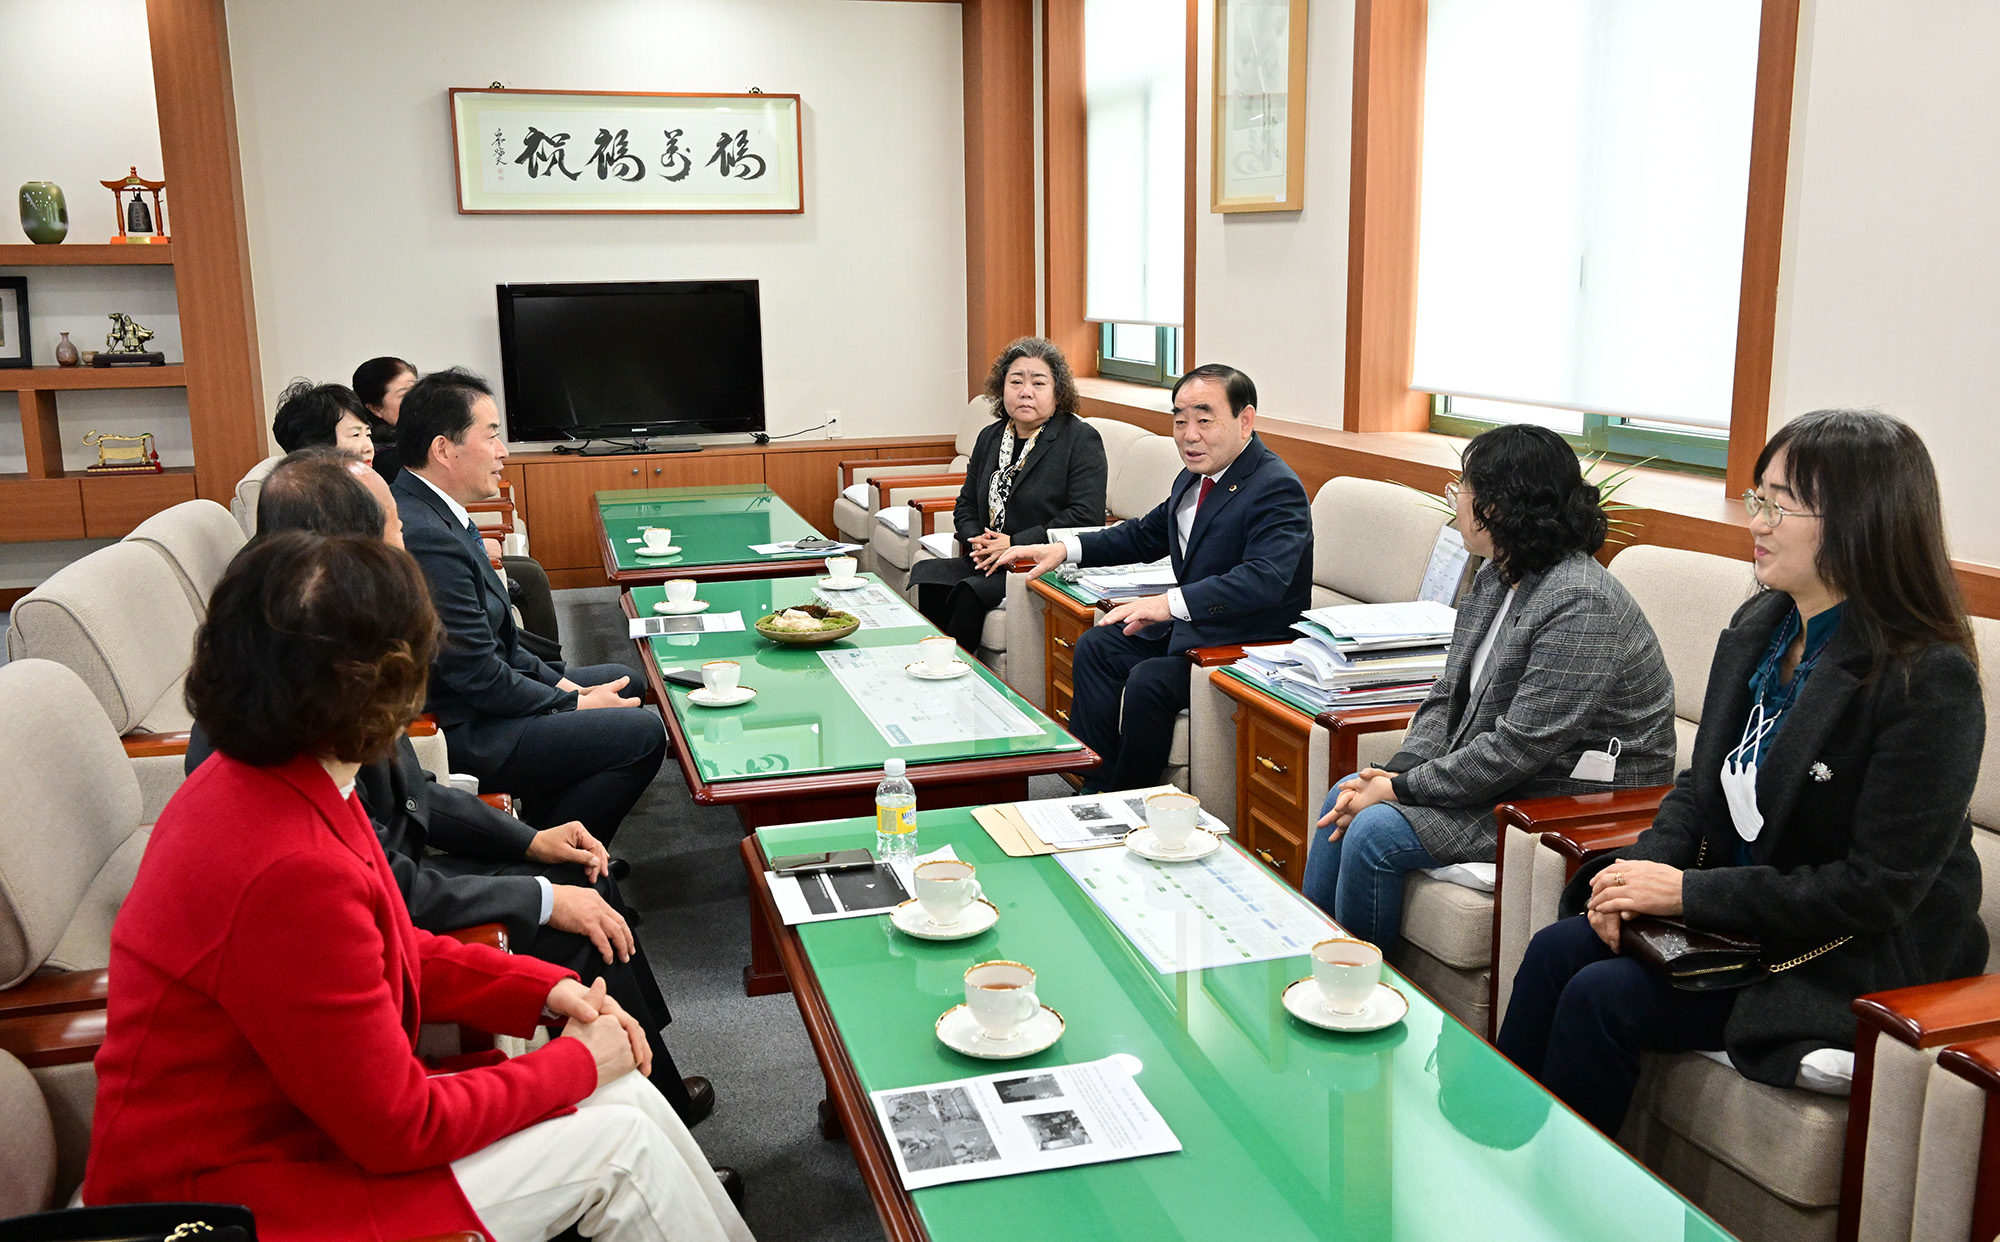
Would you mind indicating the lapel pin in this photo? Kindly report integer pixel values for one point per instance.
(1821, 773)
(1232, 487)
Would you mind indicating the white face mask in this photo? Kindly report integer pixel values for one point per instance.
(1739, 775)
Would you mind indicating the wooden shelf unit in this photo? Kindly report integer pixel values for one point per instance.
(69, 379)
(86, 254)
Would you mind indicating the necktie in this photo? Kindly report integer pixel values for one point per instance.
(1207, 485)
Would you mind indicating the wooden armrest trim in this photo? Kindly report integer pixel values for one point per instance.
(1214, 657)
(493, 934)
(934, 504)
(57, 991)
(499, 801)
(68, 1038)
(1930, 1014)
(1379, 719)
(1977, 1062)
(847, 468)
(154, 745)
(1580, 843)
(885, 489)
(425, 725)
(1541, 814)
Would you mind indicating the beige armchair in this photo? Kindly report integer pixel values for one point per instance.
(243, 505)
(858, 498)
(198, 538)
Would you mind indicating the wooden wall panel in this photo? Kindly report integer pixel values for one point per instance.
(1065, 194)
(999, 57)
(807, 482)
(34, 510)
(197, 106)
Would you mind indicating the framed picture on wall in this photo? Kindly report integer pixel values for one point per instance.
(1259, 136)
(610, 151)
(14, 351)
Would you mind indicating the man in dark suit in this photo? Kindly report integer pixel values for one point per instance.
(563, 740)
(1239, 529)
(551, 889)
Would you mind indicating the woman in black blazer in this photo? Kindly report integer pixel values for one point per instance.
(1037, 466)
(1824, 812)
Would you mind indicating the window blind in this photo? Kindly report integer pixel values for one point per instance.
(1135, 91)
(1585, 175)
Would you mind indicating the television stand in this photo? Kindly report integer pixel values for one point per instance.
(619, 448)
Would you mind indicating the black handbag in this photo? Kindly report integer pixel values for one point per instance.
(136, 1222)
(1693, 961)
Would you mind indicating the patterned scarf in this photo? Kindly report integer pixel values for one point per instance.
(1002, 484)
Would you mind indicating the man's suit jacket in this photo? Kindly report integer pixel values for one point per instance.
(1576, 664)
(484, 684)
(1864, 793)
(1246, 573)
(411, 812)
(262, 1023)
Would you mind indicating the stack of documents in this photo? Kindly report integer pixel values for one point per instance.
(1128, 581)
(1358, 655)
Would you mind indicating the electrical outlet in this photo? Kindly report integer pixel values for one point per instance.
(833, 424)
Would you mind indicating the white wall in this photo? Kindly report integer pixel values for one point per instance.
(357, 248)
(1271, 287)
(1891, 294)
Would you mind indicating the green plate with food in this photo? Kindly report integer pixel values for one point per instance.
(808, 625)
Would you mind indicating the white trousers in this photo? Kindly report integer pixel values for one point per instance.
(622, 1167)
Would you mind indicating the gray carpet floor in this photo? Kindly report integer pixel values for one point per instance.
(688, 886)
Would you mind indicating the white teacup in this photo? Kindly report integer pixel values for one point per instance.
(658, 538)
(1172, 817)
(680, 590)
(841, 568)
(1001, 996)
(940, 654)
(718, 677)
(1347, 972)
(945, 887)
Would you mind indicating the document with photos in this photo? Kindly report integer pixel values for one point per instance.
(1021, 1121)
(875, 606)
(1096, 819)
(821, 548)
(822, 895)
(907, 711)
(694, 623)
(1221, 910)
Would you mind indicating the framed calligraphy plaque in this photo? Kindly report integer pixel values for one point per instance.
(615, 151)
(1259, 138)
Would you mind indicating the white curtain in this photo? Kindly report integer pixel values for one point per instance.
(1586, 168)
(1135, 87)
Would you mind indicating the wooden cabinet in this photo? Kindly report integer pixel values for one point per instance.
(1064, 625)
(113, 505)
(35, 510)
(1273, 745)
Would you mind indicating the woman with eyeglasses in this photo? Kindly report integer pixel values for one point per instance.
(1554, 685)
(1824, 813)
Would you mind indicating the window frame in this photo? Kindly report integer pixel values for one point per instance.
(1163, 372)
(1608, 436)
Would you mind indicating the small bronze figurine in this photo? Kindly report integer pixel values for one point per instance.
(125, 345)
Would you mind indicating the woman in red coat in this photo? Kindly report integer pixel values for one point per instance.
(268, 984)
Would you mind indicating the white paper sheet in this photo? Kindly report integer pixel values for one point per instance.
(1021, 1121)
(821, 549)
(692, 623)
(1421, 616)
(875, 606)
(1221, 910)
(1446, 569)
(848, 895)
(908, 711)
(1096, 819)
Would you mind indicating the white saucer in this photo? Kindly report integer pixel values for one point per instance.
(666, 551)
(843, 584)
(959, 1031)
(911, 920)
(702, 698)
(1200, 844)
(667, 608)
(959, 668)
(1385, 1008)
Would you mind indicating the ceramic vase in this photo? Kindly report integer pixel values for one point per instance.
(44, 213)
(66, 355)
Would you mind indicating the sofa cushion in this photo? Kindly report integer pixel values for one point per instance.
(853, 521)
(198, 538)
(86, 942)
(993, 630)
(1146, 479)
(1789, 1142)
(942, 544)
(858, 495)
(243, 505)
(891, 547)
(1372, 540)
(895, 517)
(1688, 598)
(1451, 922)
(1986, 794)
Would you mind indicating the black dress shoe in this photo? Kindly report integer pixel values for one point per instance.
(701, 1100)
(732, 1184)
(619, 869)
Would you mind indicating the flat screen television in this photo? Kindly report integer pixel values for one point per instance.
(630, 360)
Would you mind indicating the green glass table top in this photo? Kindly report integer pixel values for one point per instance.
(1421, 1131)
(803, 720)
(711, 525)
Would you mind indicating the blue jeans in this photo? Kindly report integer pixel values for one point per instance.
(1358, 879)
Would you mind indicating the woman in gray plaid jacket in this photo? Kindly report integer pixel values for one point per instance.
(1555, 685)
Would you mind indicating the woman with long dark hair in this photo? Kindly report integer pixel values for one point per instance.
(380, 384)
(1555, 685)
(1824, 812)
(1037, 466)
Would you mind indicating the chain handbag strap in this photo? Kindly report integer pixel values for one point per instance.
(1702, 855)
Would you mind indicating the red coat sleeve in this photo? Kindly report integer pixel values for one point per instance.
(480, 985)
(301, 974)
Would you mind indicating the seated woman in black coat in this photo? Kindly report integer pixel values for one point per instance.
(1037, 466)
(1824, 813)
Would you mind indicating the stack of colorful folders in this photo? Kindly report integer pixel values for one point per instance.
(1357, 655)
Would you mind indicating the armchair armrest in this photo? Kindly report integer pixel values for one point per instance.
(886, 489)
(848, 469)
(71, 1037)
(1931, 1014)
(1214, 657)
(928, 507)
(1346, 725)
(425, 725)
(1541, 814)
(493, 935)
(1581, 843)
(55, 992)
(499, 802)
(154, 745)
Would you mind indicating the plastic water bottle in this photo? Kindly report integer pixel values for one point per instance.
(895, 814)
